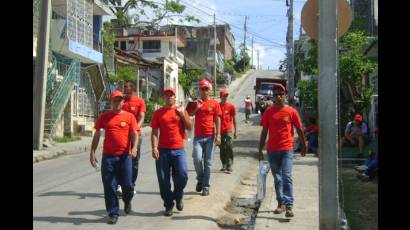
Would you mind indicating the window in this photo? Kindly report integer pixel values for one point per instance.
(123, 45)
(153, 46)
(116, 44)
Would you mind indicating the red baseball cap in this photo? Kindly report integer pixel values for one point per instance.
(169, 89)
(358, 117)
(223, 93)
(279, 87)
(205, 84)
(116, 93)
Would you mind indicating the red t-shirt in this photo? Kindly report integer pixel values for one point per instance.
(171, 127)
(118, 127)
(204, 118)
(312, 128)
(279, 123)
(134, 105)
(228, 113)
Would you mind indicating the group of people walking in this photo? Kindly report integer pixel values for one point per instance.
(215, 125)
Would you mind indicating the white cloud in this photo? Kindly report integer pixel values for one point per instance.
(268, 57)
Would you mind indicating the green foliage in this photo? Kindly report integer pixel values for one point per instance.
(354, 71)
(124, 73)
(310, 65)
(150, 104)
(308, 92)
(242, 60)
(108, 39)
(185, 79)
(160, 10)
(229, 66)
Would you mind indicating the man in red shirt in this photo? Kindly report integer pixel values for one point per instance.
(168, 150)
(279, 121)
(227, 118)
(136, 106)
(207, 134)
(120, 144)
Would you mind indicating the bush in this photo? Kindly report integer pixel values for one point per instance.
(150, 104)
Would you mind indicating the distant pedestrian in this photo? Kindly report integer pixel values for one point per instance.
(279, 120)
(356, 134)
(248, 108)
(207, 134)
(167, 140)
(120, 144)
(227, 119)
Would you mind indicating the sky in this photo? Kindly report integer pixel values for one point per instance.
(267, 22)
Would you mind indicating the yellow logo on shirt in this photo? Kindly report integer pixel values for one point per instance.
(226, 111)
(286, 118)
(132, 107)
(209, 109)
(122, 124)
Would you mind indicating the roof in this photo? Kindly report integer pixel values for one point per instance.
(133, 58)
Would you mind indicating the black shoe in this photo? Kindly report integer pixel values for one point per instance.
(168, 212)
(112, 219)
(222, 169)
(127, 207)
(198, 187)
(180, 205)
(205, 191)
(229, 170)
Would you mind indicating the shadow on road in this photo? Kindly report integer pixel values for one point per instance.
(72, 193)
(74, 220)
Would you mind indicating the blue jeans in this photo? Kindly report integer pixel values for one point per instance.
(281, 166)
(171, 161)
(203, 154)
(116, 170)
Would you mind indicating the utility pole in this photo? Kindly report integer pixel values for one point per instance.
(40, 77)
(257, 53)
(244, 43)
(328, 122)
(252, 50)
(215, 56)
(291, 71)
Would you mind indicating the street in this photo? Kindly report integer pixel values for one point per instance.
(68, 192)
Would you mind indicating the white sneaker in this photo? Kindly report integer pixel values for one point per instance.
(119, 191)
(135, 192)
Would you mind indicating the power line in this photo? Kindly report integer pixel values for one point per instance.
(233, 25)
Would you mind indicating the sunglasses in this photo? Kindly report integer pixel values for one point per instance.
(278, 94)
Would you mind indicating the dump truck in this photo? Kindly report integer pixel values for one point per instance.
(264, 87)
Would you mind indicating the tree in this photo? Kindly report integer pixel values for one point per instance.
(186, 78)
(160, 10)
(242, 60)
(354, 71)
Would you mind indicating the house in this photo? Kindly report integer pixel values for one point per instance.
(75, 49)
(156, 45)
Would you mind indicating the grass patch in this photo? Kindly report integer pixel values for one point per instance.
(67, 139)
(360, 201)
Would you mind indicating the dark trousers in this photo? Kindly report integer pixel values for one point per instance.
(171, 162)
(135, 162)
(226, 152)
(116, 170)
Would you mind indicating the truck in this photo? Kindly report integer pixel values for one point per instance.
(264, 87)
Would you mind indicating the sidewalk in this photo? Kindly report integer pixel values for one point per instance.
(306, 199)
(75, 147)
